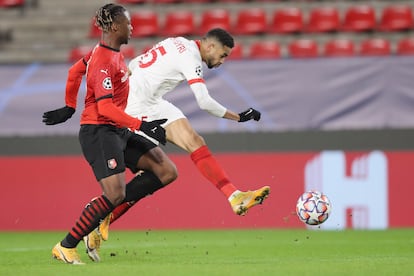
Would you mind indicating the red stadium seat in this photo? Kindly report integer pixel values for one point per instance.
(145, 49)
(132, 2)
(178, 23)
(11, 3)
(215, 18)
(236, 52)
(323, 19)
(359, 18)
(144, 23)
(396, 18)
(264, 49)
(164, 1)
(286, 20)
(128, 51)
(78, 52)
(94, 31)
(250, 21)
(375, 47)
(303, 48)
(339, 48)
(405, 46)
(196, 1)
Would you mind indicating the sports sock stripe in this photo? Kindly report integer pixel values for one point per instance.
(93, 213)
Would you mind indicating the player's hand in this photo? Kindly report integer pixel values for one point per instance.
(155, 130)
(58, 116)
(249, 114)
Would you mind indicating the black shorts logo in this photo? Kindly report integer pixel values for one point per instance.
(112, 163)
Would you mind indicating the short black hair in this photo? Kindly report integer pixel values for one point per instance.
(108, 14)
(222, 36)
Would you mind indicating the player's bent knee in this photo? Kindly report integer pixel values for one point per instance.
(116, 198)
(170, 174)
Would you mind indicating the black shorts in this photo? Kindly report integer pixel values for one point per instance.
(109, 150)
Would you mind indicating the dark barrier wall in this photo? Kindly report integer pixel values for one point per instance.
(397, 139)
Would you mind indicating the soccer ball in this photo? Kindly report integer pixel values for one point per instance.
(313, 207)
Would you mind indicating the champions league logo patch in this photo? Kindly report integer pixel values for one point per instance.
(199, 71)
(112, 164)
(107, 83)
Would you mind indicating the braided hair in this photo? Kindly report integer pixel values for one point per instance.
(108, 14)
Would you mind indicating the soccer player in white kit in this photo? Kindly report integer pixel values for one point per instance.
(159, 71)
(163, 67)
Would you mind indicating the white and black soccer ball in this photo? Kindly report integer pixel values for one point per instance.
(313, 208)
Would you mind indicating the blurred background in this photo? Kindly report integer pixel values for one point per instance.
(333, 80)
(58, 31)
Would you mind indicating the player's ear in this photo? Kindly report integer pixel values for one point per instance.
(211, 45)
(114, 26)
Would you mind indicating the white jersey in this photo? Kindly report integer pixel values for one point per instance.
(160, 70)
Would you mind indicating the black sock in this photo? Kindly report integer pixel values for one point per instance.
(140, 186)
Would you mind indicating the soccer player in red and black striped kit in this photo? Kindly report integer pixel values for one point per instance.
(156, 73)
(106, 134)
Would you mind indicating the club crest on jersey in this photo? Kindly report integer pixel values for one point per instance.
(112, 163)
(199, 71)
(107, 83)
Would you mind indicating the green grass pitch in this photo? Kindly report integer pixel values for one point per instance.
(219, 252)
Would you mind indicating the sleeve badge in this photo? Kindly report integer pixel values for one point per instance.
(107, 83)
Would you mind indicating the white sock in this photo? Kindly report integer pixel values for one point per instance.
(233, 195)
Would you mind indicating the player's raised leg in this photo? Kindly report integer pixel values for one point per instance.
(181, 133)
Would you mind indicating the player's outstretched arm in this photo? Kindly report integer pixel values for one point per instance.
(58, 116)
(73, 82)
(74, 79)
(207, 103)
(249, 114)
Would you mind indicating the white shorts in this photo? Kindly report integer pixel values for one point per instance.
(161, 110)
